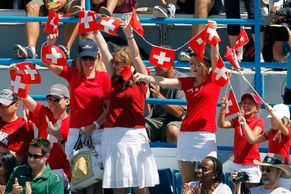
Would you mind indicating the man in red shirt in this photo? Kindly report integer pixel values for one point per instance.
(15, 132)
(53, 124)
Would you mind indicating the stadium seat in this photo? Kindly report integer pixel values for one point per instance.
(166, 183)
(177, 182)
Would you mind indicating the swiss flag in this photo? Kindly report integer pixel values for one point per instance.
(51, 26)
(220, 74)
(126, 72)
(52, 54)
(211, 34)
(231, 56)
(31, 74)
(232, 106)
(87, 20)
(162, 57)
(242, 39)
(135, 23)
(198, 44)
(19, 87)
(109, 25)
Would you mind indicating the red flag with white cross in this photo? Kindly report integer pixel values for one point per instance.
(52, 54)
(231, 56)
(109, 25)
(198, 44)
(162, 57)
(232, 105)
(126, 72)
(211, 35)
(19, 87)
(87, 20)
(220, 74)
(242, 39)
(51, 26)
(135, 23)
(31, 74)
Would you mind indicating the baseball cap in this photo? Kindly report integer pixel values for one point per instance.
(207, 54)
(87, 47)
(59, 90)
(281, 110)
(255, 97)
(7, 97)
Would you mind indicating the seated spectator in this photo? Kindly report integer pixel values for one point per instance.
(210, 175)
(7, 163)
(15, 132)
(273, 168)
(35, 176)
(165, 119)
(40, 8)
(107, 7)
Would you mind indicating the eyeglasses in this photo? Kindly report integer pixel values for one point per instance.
(6, 106)
(203, 168)
(35, 156)
(87, 58)
(267, 169)
(53, 99)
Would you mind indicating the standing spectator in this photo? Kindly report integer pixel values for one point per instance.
(89, 90)
(36, 176)
(244, 152)
(127, 157)
(15, 132)
(40, 8)
(165, 120)
(197, 134)
(210, 175)
(273, 168)
(278, 136)
(107, 7)
(7, 163)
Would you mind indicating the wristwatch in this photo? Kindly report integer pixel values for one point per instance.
(62, 141)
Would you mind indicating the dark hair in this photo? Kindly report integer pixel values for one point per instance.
(8, 161)
(217, 169)
(41, 143)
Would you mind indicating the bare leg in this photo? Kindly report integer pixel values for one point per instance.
(172, 134)
(187, 171)
(111, 4)
(119, 191)
(32, 28)
(141, 190)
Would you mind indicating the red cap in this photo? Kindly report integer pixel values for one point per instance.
(255, 97)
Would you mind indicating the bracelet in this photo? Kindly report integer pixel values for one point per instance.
(222, 112)
(97, 126)
(130, 38)
(62, 142)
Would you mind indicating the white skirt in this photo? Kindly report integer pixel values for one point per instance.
(127, 158)
(195, 146)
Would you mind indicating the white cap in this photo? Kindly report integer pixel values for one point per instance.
(281, 110)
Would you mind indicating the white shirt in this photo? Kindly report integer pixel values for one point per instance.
(261, 190)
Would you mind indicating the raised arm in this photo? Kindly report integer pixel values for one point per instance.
(222, 123)
(105, 53)
(214, 51)
(29, 103)
(133, 48)
(277, 121)
(161, 81)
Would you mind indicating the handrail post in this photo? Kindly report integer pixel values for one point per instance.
(87, 4)
(287, 93)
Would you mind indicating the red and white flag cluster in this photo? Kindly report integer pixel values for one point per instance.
(51, 26)
(20, 80)
(232, 105)
(52, 54)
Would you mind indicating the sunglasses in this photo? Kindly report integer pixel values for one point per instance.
(53, 99)
(203, 168)
(6, 106)
(87, 58)
(267, 169)
(35, 156)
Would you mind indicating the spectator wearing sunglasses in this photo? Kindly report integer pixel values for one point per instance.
(36, 176)
(89, 88)
(210, 179)
(273, 168)
(15, 132)
(7, 163)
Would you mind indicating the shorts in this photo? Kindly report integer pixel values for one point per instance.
(157, 128)
(253, 171)
(125, 8)
(195, 146)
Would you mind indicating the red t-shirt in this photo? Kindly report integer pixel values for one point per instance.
(282, 148)
(16, 135)
(126, 105)
(244, 152)
(57, 158)
(86, 96)
(201, 105)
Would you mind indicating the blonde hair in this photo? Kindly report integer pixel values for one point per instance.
(122, 55)
(286, 122)
(99, 66)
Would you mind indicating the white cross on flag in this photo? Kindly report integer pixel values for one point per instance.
(198, 44)
(231, 56)
(109, 25)
(232, 106)
(51, 26)
(211, 34)
(87, 20)
(52, 54)
(19, 87)
(162, 57)
(220, 74)
(242, 39)
(31, 74)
